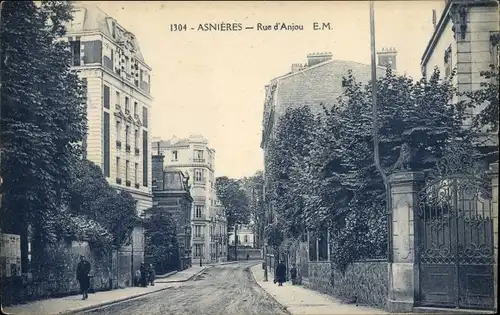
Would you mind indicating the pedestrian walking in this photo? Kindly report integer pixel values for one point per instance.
(137, 279)
(151, 275)
(144, 276)
(82, 275)
(281, 273)
(293, 274)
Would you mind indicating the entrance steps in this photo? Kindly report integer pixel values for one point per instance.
(442, 310)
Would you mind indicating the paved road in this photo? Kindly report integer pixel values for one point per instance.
(219, 290)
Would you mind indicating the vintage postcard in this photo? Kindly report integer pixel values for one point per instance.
(249, 157)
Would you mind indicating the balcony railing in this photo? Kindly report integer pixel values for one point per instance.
(199, 199)
(200, 217)
(198, 160)
(198, 237)
(200, 183)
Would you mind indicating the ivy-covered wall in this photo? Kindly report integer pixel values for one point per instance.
(366, 280)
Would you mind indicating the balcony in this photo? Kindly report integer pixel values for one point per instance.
(137, 151)
(199, 160)
(127, 148)
(199, 217)
(198, 238)
(199, 183)
(137, 185)
(199, 199)
(128, 183)
(118, 144)
(118, 181)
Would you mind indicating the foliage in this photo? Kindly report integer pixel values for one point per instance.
(160, 238)
(253, 187)
(288, 152)
(92, 197)
(234, 200)
(43, 116)
(321, 169)
(485, 100)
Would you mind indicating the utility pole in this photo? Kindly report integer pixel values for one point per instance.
(375, 135)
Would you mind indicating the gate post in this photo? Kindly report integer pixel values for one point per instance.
(403, 267)
(494, 216)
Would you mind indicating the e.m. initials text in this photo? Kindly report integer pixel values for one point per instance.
(321, 26)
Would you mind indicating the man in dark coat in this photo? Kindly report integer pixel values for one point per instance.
(151, 275)
(144, 276)
(281, 273)
(82, 275)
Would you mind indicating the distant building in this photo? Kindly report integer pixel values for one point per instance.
(246, 236)
(194, 157)
(109, 60)
(171, 194)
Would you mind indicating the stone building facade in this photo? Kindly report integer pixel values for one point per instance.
(194, 157)
(171, 194)
(109, 60)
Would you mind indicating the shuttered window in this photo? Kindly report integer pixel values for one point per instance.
(106, 96)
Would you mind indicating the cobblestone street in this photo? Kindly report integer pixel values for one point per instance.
(222, 290)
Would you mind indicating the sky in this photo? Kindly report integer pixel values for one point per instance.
(212, 83)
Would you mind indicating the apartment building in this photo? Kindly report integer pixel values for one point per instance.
(109, 60)
(465, 37)
(194, 157)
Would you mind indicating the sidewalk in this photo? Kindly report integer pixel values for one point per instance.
(74, 304)
(299, 300)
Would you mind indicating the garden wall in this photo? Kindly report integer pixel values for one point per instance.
(366, 280)
(253, 253)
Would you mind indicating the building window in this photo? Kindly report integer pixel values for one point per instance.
(198, 175)
(117, 100)
(118, 168)
(198, 250)
(448, 62)
(127, 163)
(145, 158)
(127, 129)
(245, 238)
(136, 139)
(106, 96)
(118, 131)
(106, 144)
(127, 105)
(75, 52)
(198, 211)
(198, 156)
(197, 230)
(136, 167)
(145, 117)
(135, 108)
(174, 155)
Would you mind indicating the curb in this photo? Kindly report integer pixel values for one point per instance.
(128, 298)
(267, 293)
(168, 274)
(184, 280)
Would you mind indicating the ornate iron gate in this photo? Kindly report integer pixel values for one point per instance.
(456, 254)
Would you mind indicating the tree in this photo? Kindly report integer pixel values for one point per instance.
(288, 152)
(254, 188)
(161, 239)
(43, 119)
(235, 202)
(92, 197)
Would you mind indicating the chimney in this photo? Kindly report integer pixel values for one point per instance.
(315, 58)
(157, 171)
(387, 56)
(296, 67)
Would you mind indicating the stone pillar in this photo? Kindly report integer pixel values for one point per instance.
(403, 267)
(494, 216)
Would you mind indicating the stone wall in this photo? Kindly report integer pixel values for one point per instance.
(253, 253)
(365, 280)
